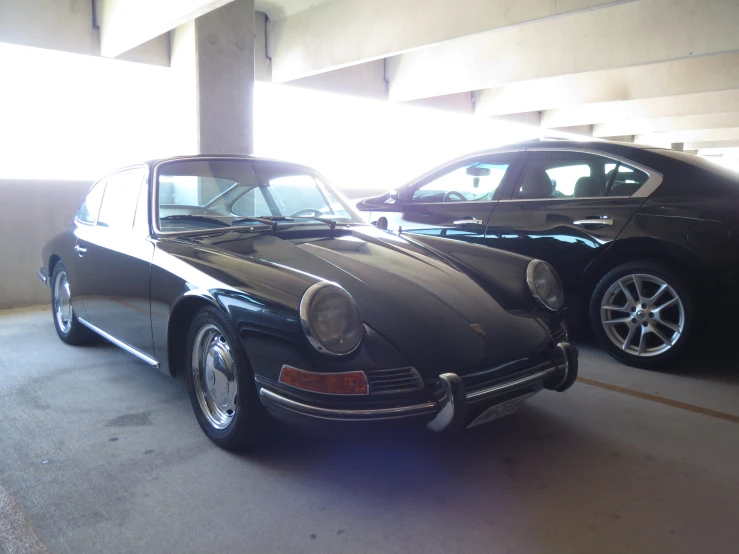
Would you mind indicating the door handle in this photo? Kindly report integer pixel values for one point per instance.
(594, 220)
(80, 250)
(468, 221)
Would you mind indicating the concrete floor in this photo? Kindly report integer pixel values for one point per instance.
(100, 453)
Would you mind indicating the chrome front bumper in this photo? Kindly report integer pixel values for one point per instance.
(450, 410)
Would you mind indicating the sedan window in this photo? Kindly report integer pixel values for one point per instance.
(472, 182)
(566, 174)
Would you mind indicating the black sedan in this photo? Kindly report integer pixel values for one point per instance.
(261, 284)
(646, 240)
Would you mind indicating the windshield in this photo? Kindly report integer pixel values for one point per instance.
(204, 194)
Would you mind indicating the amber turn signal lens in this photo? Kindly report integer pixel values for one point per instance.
(352, 382)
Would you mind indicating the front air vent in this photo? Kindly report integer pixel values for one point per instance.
(386, 381)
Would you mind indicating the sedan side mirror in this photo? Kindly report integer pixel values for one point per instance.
(381, 223)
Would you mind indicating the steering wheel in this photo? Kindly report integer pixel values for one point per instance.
(448, 196)
(308, 211)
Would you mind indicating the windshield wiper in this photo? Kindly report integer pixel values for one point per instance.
(273, 220)
(330, 222)
(267, 219)
(201, 218)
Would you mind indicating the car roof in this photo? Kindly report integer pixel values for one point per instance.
(152, 163)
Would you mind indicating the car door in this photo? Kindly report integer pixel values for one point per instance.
(456, 201)
(115, 262)
(566, 208)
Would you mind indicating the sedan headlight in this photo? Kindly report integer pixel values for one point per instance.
(545, 284)
(331, 319)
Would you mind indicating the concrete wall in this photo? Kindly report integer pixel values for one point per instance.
(31, 212)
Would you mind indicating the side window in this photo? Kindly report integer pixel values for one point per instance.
(476, 181)
(564, 175)
(91, 206)
(576, 175)
(119, 200)
(624, 180)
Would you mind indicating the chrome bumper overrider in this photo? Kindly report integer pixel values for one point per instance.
(451, 409)
(42, 275)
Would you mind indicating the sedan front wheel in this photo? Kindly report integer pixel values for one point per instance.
(642, 314)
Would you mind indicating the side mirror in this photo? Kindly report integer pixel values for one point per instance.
(381, 223)
(401, 195)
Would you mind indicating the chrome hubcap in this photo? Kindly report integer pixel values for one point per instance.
(214, 376)
(62, 303)
(642, 315)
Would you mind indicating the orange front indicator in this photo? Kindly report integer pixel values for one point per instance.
(351, 382)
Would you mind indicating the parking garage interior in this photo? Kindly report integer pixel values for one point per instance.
(100, 453)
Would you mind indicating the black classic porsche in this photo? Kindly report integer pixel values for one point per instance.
(646, 240)
(259, 282)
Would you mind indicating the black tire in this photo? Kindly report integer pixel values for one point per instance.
(75, 334)
(249, 420)
(645, 317)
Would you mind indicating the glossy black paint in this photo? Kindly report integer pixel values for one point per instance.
(691, 220)
(418, 295)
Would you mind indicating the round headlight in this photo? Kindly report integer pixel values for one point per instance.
(545, 285)
(331, 319)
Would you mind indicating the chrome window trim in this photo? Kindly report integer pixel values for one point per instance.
(653, 182)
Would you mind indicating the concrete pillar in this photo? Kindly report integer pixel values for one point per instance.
(213, 59)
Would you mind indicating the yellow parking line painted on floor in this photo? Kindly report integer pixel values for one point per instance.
(17, 535)
(660, 399)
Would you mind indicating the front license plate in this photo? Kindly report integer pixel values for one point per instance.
(501, 410)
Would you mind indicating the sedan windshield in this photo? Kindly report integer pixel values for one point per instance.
(205, 194)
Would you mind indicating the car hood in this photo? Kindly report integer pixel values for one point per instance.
(435, 313)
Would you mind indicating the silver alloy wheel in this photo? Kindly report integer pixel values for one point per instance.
(642, 315)
(63, 302)
(214, 376)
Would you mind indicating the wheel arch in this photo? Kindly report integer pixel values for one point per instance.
(646, 249)
(53, 260)
(180, 318)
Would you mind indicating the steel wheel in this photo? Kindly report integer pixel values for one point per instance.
(642, 315)
(214, 376)
(63, 303)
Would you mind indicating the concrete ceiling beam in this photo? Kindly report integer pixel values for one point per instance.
(621, 35)
(667, 124)
(339, 33)
(584, 97)
(688, 138)
(645, 108)
(125, 24)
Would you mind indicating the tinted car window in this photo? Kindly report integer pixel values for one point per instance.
(120, 198)
(477, 181)
(576, 175)
(91, 206)
(625, 180)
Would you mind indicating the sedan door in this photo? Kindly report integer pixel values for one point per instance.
(115, 263)
(566, 208)
(455, 202)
